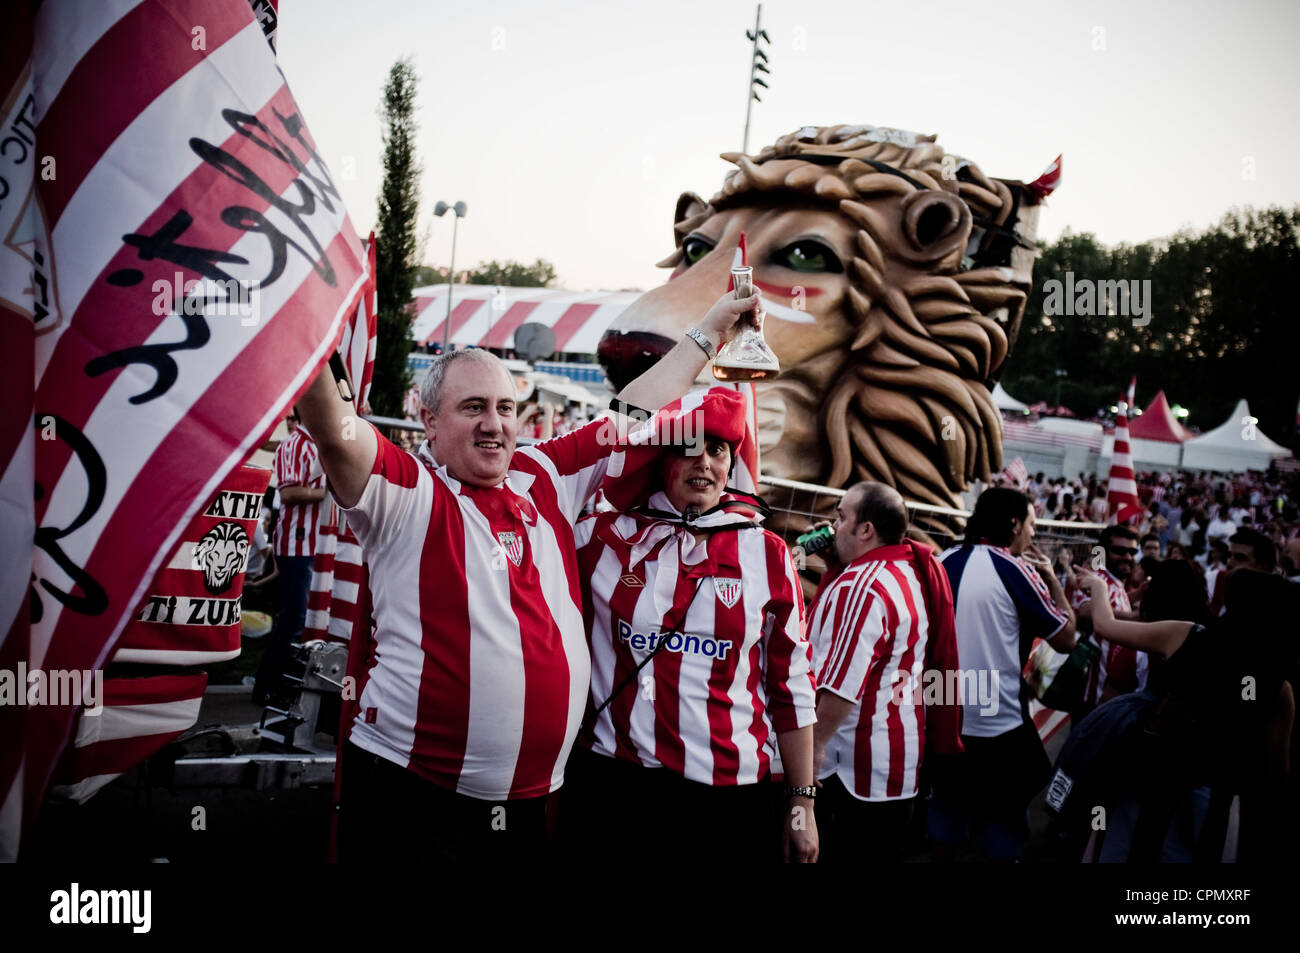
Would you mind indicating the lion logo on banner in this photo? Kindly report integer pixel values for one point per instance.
(895, 277)
(220, 555)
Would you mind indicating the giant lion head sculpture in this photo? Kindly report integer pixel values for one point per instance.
(895, 276)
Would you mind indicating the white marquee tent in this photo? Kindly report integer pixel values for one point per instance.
(1004, 401)
(1236, 445)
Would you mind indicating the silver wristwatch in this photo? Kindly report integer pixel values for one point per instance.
(702, 339)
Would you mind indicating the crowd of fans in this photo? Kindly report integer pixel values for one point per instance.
(1187, 515)
(1185, 729)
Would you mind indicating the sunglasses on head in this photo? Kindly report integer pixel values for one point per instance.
(1123, 551)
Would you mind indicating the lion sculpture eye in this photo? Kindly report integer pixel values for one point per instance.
(808, 255)
(694, 248)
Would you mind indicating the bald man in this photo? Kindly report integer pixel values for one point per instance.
(875, 630)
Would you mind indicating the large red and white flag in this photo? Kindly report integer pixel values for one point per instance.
(360, 336)
(1121, 492)
(175, 266)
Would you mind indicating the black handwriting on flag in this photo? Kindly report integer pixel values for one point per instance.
(314, 187)
(85, 595)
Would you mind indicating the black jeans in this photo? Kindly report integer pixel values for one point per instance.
(614, 809)
(853, 832)
(388, 814)
(295, 585)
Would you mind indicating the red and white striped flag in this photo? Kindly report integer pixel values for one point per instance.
(337, 566)
(339, 573)
(1121, 492)
(138, 717)
(360, 336)
(1017, 472)
(178, 266)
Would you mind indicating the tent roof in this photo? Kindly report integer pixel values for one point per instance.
(1157, 422)
(1004, 401)
(487, 315)
(1232, 435)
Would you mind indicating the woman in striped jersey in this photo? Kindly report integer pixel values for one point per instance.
(695, 621)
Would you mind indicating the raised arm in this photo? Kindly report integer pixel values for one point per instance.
(347, 444)
(675, 372)
(1166, 638)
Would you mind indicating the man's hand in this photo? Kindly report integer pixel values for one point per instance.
(799, 839)
(347, 446)
(1094, 585)
(1035, 557)
(727, 310)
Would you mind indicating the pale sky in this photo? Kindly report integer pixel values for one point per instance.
(570, 127)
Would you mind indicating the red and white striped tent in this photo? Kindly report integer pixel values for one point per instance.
(487, 315)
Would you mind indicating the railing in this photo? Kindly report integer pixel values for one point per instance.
(582, 373)
(1030, 434)
(943, 524)
(800, 501)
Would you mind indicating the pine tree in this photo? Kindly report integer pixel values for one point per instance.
(399, 199)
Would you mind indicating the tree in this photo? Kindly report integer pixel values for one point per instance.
(511, 274)
(1221, 322)
(399, 199)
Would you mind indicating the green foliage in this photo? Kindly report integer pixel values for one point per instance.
(511, 274)
(422, 275)
(1221, 328)
(399, 199)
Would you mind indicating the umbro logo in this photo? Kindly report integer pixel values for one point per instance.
(631, 580)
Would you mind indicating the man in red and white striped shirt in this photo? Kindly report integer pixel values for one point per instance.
(875, 629)
(480, 669)
(301, 482)
(1120, 669)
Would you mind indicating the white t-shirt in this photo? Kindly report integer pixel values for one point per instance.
(257, 553)
(1219, 529)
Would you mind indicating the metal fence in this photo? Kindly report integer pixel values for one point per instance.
(798, 505)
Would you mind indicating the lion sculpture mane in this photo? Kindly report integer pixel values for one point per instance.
(891, 379)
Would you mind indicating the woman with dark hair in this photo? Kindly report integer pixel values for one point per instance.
(1174, 591)
(1196, 768)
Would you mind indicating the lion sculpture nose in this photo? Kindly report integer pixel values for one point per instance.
(626, 355)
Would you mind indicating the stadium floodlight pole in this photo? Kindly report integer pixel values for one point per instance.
(441, 209)
(758, 64)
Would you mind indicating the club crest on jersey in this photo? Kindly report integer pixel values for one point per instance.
(512, 545)
(728, 591)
